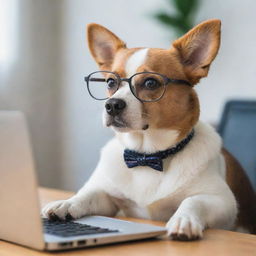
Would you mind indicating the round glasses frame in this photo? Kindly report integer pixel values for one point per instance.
(166, 80)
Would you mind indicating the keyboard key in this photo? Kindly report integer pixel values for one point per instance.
(70, 228)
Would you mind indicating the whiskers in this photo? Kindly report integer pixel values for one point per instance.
(145, 115)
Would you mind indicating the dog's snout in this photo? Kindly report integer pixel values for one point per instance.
(115, 106)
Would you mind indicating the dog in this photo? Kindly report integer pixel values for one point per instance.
(196, 184)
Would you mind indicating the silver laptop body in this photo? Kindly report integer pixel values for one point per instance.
(20, 220)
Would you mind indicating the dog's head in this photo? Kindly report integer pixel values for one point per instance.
(188, 59)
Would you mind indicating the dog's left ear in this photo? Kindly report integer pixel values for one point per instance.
(198, 48)
(103, 45)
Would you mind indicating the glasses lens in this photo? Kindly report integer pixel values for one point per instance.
(148, 86)
(102, 84)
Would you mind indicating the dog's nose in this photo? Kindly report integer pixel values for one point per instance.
(115, 106)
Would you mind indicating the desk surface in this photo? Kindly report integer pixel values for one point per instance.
(214, 242)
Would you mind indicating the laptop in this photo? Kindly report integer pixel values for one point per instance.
(20, 220)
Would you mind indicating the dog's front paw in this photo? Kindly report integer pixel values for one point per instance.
(184, 228)
(64, 210)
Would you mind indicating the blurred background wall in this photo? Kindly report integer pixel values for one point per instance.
(30, 76)
(50, 59)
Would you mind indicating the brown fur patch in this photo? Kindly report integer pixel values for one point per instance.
(179, 107)
(243, 191)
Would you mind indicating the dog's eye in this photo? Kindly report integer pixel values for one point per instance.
(151, 84)
(111, 83)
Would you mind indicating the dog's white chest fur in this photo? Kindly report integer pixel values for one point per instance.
(191, 193)
(145, 192)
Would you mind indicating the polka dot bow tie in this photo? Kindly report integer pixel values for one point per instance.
(155, 161)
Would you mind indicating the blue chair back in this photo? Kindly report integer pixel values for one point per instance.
(238, 130)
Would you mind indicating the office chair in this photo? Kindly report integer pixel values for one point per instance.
(238, 130)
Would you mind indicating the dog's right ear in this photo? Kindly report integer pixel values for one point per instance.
(103, 45)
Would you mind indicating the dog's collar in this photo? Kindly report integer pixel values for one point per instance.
(133, 158)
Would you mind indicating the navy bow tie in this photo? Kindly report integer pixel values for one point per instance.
(155, 161)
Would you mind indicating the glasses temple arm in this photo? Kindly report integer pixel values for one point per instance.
(87, 78)
(178, 81)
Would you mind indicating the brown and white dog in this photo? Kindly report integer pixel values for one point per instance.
(202, 186)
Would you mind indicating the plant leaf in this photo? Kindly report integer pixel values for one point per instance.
(185, 7)
(167, 19)
(179, 23)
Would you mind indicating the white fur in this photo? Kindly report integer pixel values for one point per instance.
(149, 141)
(135, 61)
(191, 193)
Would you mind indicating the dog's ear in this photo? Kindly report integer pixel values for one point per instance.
(198, 48)
(103, 45)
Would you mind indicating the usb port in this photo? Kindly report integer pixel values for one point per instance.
(65, 244)
(81, 242)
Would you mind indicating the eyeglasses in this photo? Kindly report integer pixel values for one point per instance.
(145, 86)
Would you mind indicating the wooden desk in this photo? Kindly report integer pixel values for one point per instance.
(214, 243)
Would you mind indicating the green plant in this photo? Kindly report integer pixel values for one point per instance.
(183, 19)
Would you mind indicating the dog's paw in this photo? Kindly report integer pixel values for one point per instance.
(184, 228)
(64, 210)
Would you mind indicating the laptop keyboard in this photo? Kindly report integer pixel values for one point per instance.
(70, 228)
